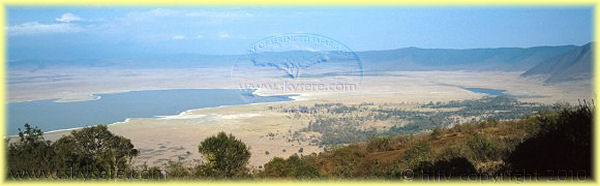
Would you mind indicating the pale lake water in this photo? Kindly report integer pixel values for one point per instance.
(110, 108)
(488, 91)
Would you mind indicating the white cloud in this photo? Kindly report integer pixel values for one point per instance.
(224, 35)
(211, 14)
(149, 15)
(68, 17)
(161, 12)
(178, 37)
(32, 28)
(199, 36)
(219, 14)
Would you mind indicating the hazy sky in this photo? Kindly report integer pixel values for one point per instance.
(56, 32)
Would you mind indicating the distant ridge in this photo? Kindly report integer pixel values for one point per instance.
(504, 59)
(573, 65)
(411, 58)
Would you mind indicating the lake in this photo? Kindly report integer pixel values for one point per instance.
(489, 91)
(110, 108)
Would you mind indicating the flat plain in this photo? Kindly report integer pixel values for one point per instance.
(266, 131)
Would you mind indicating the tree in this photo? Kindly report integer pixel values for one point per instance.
(225, 156)
(32, 151)
(94, 148)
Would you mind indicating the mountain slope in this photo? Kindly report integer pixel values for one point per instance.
(504, 59)
(460, 59)
(573, 65)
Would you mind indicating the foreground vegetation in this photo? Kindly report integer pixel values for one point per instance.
(541, 145)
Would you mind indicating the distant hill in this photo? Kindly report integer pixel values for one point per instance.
(183, 60)
(505, 59)
(573, 65)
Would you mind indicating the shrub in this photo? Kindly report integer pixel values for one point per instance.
(418, 155)
(32, 151)
(277, 168)
(153, 172)
(178, 170)
(451, 152)
(436, 133)
(226, 157)
(379, 144)
(342, 162)
(452, 168)
(293, 167)
(562, 144)
(484, 148)
(302, 170)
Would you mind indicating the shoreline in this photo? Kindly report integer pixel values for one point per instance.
(180, 115)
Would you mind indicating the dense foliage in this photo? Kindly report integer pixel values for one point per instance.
(225, 156)
(31, 151)
(91, 149)
(292, 167)
(563, 143)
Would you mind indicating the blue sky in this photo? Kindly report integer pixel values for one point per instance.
(55, 32)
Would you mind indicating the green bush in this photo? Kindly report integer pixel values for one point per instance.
(293, 167)
(379, 144)
(454, 167)
(32, 151)
(436, 133)
(563, 143)
(94, 148)
(451, 152)
(345, 161)
(485, 148)
(178, 170)
(90, 148)
(418, 155)
(277, 168)
(226, 157)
